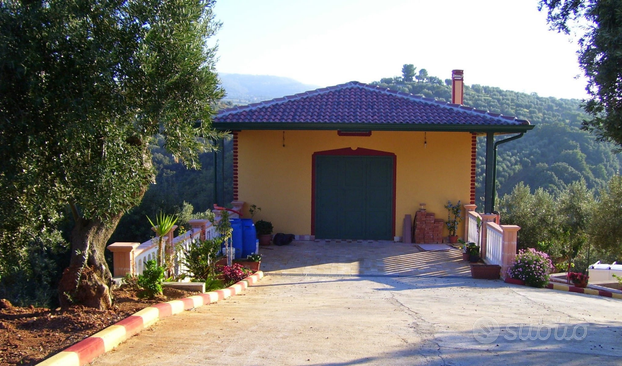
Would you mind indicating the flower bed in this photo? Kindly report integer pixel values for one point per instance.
(531, 266)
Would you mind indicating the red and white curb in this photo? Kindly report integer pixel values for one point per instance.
(581, 290)
(99, 343)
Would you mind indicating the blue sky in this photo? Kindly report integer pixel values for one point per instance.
(502, 43)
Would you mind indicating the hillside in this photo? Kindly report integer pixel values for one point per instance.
(555, 153)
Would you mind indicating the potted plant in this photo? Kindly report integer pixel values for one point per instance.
(578, 279)
(472, 251)
(252, 262)
(453, 220)
(264, 232)
(464, 245)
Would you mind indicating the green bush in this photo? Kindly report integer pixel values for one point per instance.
(151, 280)
(536, 214)
(200, 258)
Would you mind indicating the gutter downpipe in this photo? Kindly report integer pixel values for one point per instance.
(490, 209)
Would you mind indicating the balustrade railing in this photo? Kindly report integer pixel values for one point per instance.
(497, 242)
(132, 257)
(494, 244)
(473, 231)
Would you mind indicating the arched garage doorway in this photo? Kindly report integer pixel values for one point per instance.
(353, 194)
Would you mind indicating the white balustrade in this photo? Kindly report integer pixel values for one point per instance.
(474, 236)
(149, 249)
(494, 243)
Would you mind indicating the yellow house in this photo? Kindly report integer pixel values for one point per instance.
(350, 161)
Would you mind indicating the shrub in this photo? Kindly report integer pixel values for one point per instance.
(234, 273)
(151, 280)
(577, 277)
(531, 266)
(200, 258)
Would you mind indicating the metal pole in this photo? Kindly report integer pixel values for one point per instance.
(490, 178)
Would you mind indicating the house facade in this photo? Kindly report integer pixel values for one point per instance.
(350, 161)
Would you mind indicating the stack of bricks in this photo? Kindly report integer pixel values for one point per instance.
(428, 229)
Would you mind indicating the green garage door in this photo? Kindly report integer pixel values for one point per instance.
(354, 197)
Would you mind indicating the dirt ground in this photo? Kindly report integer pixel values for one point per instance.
(30, 335)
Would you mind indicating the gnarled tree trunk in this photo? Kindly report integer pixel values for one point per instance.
(87, 280)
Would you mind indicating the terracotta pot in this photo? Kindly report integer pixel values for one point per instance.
(253, 266)
(465, 256)
(265, 239)
(485, 271)
(453, 239)
(515, 281)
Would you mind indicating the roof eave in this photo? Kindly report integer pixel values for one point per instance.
(239, 126)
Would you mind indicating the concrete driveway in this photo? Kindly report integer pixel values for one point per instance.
(381, 303)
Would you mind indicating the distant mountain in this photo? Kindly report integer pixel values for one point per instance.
(245, 89)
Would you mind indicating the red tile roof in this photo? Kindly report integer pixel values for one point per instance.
(359, 105)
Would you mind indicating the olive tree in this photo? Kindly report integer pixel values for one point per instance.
(84, 86)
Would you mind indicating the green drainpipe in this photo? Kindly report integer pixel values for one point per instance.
(494, 171)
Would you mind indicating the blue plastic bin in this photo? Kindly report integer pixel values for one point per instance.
(249, 235)
(237, 237)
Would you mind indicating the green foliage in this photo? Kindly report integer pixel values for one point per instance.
(85, 87)
(150, 281)
(408, 72)
(163, 225)
(264, 227)
(599, 27)
(213, 284)
(534, 213)
(556, 153)
(575, 206)
(254, 257)
(606, 230)
(200, 258)
(176, 184)
(453, 217)
(253, 210)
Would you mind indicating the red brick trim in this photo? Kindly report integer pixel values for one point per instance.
(473, 166)
(235, 165)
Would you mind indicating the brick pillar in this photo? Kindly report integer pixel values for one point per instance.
(168, 247)
(467, 209)
(123, 258)
(237, 206)
(510, 234)
(201, 225)
(473, 166)
(235, 165)
(485, 218)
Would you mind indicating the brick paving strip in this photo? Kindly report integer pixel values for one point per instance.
(104, 341)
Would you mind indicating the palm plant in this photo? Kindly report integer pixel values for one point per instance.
(163, 225)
